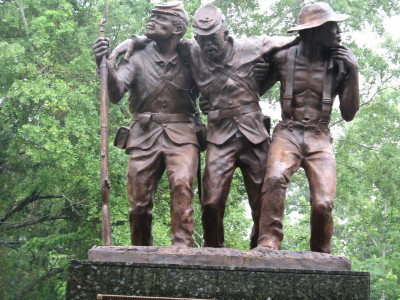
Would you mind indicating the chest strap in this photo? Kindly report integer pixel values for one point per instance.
(327, 101)
(165, 81)
(288, 95)
(287, 98)
(228, 73)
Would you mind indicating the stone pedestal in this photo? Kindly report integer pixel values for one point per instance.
(208, 273)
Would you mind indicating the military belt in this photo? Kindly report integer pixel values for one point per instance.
(162, 118)
(291, 125)
(219, 114)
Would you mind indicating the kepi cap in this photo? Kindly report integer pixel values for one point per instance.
(315, 15)
(207, 20)
(173, 8)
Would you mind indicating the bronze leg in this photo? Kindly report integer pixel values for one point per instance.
(145, 168)
(220, 165)
(181, 164)
(320, 169)
(252, 162)
(284, 158)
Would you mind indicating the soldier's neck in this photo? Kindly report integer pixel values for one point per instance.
(166, 47)
(313, 51)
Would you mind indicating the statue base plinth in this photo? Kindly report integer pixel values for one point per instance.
(210, 273)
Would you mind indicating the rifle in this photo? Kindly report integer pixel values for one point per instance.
(104, 184)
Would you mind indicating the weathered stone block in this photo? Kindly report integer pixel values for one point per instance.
(211, 281)
(224, 257)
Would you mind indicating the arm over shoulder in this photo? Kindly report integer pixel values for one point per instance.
(273, 44)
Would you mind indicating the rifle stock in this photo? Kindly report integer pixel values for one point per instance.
(105, 184)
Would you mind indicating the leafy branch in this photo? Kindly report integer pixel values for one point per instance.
(16, 207)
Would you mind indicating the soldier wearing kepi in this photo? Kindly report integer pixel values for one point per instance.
(162, 134)
(311, 74)
(223, 68)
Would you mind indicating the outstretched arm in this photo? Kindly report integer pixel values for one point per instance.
(349, 89)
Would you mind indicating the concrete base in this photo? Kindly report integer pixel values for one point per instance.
(224, 257)
(207, 278)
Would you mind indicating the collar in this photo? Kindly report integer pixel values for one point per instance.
(158, 58)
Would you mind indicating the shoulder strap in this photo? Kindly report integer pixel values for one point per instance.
(326, 96)
(288, 95)
(239, 79)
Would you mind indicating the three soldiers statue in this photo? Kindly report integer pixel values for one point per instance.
(165, 74)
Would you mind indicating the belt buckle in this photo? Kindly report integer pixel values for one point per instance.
(161, 118)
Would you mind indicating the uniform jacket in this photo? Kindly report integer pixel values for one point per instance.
(226, 91)
(157, 86)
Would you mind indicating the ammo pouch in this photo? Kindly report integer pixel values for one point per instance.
(144, 120)
(121, 138)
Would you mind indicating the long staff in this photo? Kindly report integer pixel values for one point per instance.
(105, 184)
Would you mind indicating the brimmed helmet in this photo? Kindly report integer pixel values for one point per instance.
(315, 15)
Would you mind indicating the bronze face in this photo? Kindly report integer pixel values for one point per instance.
(161, 26)
(213, 45)
(328, 35)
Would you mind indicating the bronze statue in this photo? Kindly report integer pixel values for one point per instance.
(311, 74)
(161, 136)
(230, 76)
(224, 70)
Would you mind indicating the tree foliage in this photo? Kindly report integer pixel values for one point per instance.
(49, 159)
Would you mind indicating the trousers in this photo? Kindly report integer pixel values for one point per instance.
(221, 162)
(145, 169)
(294, 146)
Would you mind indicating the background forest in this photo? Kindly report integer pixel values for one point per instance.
(49, 137)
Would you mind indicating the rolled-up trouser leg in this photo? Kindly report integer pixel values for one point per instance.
(145, 168)
(220, 165)
(320, 169)
(252, 162)
(284, 158)
(181, 165)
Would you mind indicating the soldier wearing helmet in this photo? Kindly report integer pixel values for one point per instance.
(162, 136)
(224, 69)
